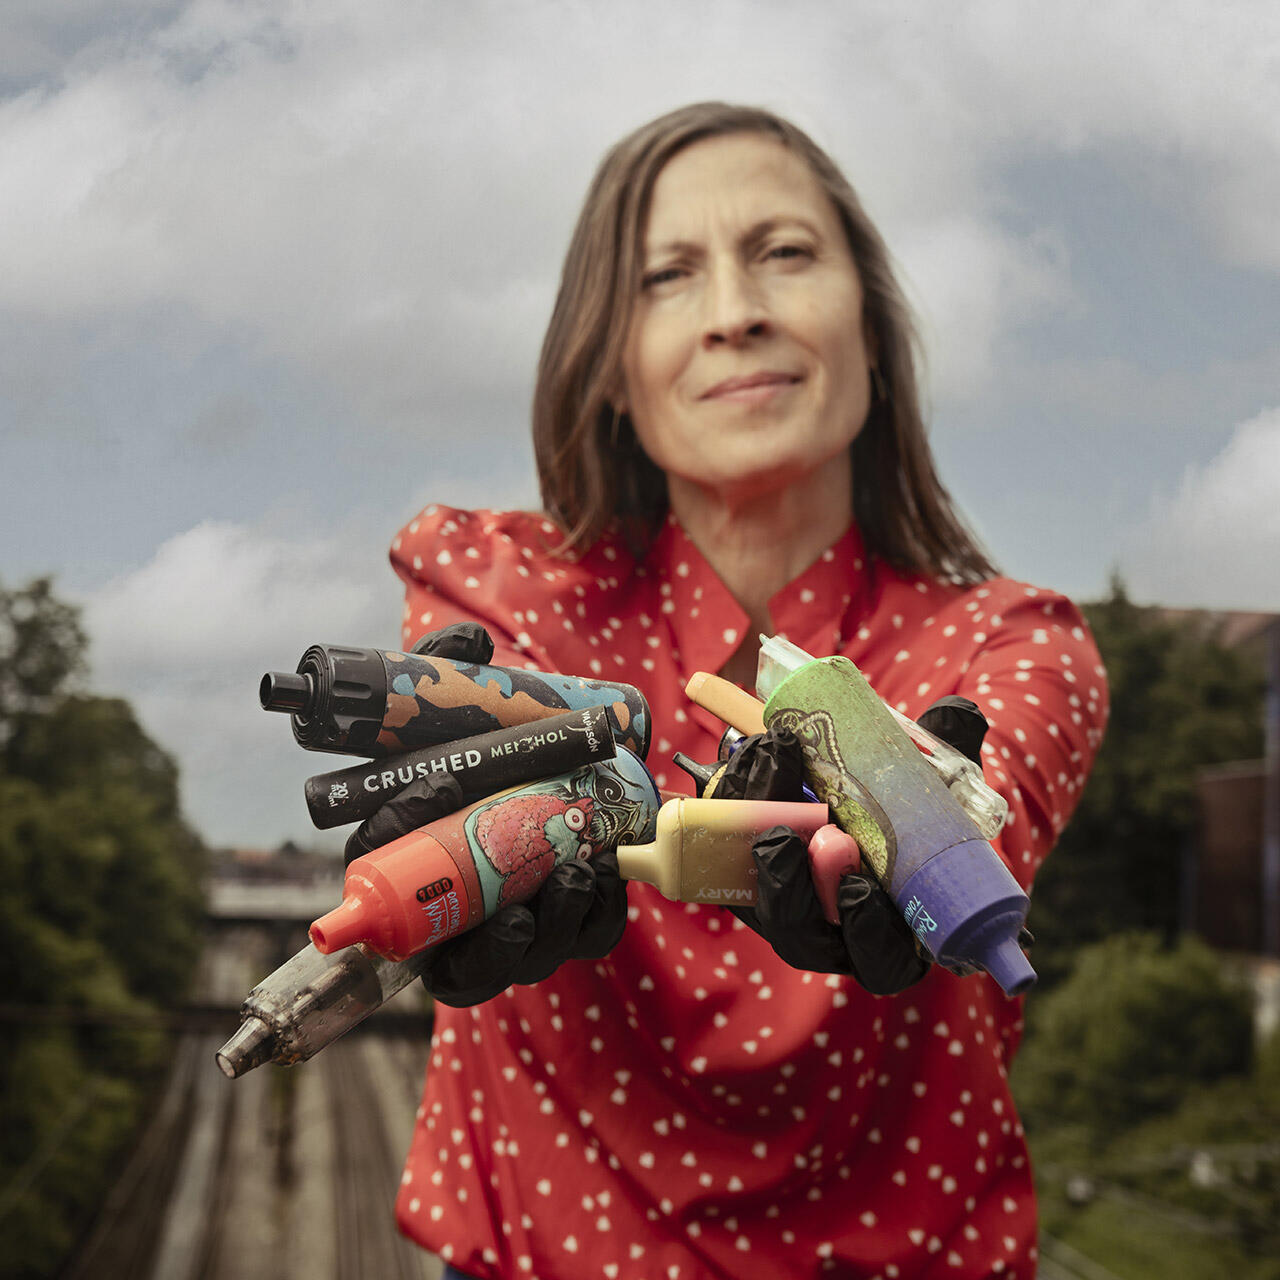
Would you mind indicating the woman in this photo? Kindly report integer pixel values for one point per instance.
(729, 441)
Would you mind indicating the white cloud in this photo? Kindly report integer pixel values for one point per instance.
(969, 285)
(375, 199)
(187, 637)
(1190, 93)
(1213, 542)
(382, 194)
(221, 593)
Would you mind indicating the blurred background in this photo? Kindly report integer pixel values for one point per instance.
(274, 275)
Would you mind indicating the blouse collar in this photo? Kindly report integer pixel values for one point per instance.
(818, 609)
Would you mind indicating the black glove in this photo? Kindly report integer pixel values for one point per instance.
(959, 724)
(578, 913)
(872, 942)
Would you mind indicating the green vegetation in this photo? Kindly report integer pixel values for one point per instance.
(99, 927)
(1179, 701)
(1135, 1027)
(1154, 1124)
(1153, 1117)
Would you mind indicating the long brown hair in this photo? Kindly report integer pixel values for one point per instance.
(590, 465)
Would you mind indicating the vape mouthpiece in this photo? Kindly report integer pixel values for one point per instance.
(1006, 963)
(286, 691)
(700, 773)
(352, 920)
(250, 1047)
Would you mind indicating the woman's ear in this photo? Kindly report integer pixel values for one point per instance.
(617, 400)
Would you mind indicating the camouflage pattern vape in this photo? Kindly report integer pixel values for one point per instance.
(377, 702)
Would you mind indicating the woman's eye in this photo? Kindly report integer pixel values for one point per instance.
(787, 251)
(664, 276)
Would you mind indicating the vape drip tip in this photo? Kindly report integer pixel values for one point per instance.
(288, 691)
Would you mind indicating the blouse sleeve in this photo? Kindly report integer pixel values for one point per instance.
(451, 563)
(1040, 681)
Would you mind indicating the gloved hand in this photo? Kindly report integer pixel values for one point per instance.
(873, 943)
(578, 913)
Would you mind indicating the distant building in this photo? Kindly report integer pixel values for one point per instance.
(1225, 901)
(288, 864)
(1244, 631)
(288, 886)
(1231, 874)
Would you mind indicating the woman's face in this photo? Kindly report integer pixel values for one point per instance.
(746, 363)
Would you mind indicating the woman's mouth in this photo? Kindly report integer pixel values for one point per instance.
(751, 388)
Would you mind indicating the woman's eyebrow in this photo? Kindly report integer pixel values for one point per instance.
(752, 235)
(672, 248)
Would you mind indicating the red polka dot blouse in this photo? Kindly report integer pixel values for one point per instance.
(691, 1107)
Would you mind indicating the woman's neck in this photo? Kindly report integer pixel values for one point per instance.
(758, 544)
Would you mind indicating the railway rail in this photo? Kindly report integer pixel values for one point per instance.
(287, 1173)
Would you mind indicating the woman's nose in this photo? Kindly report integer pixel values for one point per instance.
(735, 309)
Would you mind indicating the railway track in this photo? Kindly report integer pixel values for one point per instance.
(367, 1169)
(125, 1236)
(286, 1174)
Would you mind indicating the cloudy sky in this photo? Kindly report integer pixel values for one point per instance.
(273, 275)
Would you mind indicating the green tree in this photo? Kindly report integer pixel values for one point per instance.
(1153, 1134)
(41, 650)
(1131, 1033)
(1179, 700)
(99, 926)
(112, 859)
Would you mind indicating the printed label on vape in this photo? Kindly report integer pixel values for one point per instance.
(856, 809)
(587, 728)
(919, 919)
(434, 889)
(337, 793)
(516, 839)
(727, 895)
(529, 742)
(402, 775)
(444, 914)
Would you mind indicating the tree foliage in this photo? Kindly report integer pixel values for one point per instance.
(1179, 701)
(41, 649)
(1131, 1033)
(99, 925)
(1153, 1120)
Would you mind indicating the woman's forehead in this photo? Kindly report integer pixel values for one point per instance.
(747, 178)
